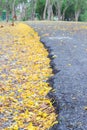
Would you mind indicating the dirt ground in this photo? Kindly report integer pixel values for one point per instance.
(67, 43)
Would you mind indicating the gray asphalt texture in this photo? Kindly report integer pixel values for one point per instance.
(67, 43)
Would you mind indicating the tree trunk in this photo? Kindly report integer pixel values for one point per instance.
(7, 16)
(59, 13)
(63, 15)
(45, 9)
(77, 13)
(50, 12)
(22, 13)
(58, 6)
(13, 9)
(7, 13)
(34, 2)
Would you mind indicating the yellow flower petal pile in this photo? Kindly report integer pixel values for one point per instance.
(24, 69)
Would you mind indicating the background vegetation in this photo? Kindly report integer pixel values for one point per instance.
(70, 10)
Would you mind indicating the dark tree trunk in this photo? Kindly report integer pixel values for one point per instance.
(63, 15)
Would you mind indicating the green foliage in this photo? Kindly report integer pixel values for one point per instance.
(69, 15)
(40, 8)
(83, 17)
(35, 8)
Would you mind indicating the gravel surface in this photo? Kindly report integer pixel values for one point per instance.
(67, 43)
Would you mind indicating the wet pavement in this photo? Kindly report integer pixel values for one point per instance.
(67, 44)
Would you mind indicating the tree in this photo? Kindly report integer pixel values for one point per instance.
(33, 4)
(10, 6)
(48, 9)
(45, 9)
(58, 6)
(40, 8)
(78, 6)
(83, 17)
(65, 5)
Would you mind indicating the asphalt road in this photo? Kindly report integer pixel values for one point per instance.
(67, 43)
